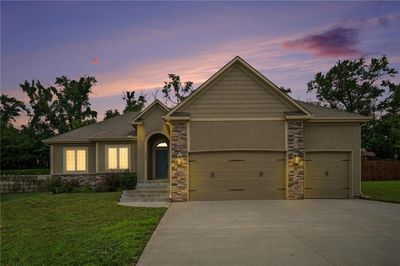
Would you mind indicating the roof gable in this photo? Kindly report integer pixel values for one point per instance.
(237, 89)
(156, 103)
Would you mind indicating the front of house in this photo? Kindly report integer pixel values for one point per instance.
(238, 136)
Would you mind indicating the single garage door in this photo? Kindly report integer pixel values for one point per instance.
(326, 175)
(236, 175)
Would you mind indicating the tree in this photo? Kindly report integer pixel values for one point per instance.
(133, 104)
(62, 108)
(111, 113)
(10, 109)
(353, 86)
(365, 89)
(175, 91)
(285, 90)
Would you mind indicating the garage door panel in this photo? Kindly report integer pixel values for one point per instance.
(236, 175)
(227, 194)
(327, 175)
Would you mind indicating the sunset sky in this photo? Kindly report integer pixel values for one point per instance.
(135, 45)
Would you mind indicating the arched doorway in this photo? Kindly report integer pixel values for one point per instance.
(157, 157)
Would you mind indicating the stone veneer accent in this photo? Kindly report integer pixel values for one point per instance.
(85, 179)
(295, 143)
(179, 173)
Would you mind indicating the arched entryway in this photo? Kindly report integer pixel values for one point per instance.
(157, 156)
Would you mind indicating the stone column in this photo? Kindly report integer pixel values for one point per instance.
(179, 161)
(295, 143)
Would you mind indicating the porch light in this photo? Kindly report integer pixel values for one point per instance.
(296, 160)
(179, 159)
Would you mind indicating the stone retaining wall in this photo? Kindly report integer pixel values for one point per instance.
(23, 183)
(37, 183)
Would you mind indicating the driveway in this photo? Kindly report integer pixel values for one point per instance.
(277, 232)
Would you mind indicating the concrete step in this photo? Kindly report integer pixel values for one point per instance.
(145, 195)
(147, 190)
(154, 181)
(152, 187)
(144, 199)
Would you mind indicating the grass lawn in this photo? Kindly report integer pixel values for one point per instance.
(73, 229)
(382, 190)
(39, 171)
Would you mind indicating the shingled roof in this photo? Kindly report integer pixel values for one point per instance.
(329, 113)
(118, 127)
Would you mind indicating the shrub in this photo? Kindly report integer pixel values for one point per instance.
(128, 180)
(58, 185)
(118, 181)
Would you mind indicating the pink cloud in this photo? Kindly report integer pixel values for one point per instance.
(95, 60)
(336, 41)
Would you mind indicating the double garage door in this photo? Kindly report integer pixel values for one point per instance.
(261, 175)
(237, 175)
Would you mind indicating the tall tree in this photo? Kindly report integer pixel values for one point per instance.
(175, 91)
(10, 109)
(354, 85)
(366, 89)
(60, 108)
(111, 113)
(131, 103)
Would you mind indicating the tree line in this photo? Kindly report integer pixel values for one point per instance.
(350, 85)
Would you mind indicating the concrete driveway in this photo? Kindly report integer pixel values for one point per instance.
(277, 232)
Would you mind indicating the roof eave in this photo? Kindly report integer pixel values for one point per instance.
(339, 119)
(66, 141)
(113, 139)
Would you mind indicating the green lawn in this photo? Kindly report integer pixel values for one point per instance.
(73, 229)
(40, 171)
(382, 190)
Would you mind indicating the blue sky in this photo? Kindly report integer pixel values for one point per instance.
(135, 45)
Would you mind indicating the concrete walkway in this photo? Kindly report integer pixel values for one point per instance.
(277, 232)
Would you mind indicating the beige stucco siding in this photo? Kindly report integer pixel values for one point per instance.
(58, 157)
(336, 137)
(101, 155)
(152, 123)
(237, 135)
(234, 95)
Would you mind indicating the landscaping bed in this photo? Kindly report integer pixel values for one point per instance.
(73, 229)
(388, 191)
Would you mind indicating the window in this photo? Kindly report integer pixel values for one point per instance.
(117, 157)
(75, 159)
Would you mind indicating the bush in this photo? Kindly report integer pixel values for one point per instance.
(128, 180)
(58, 185)
(119, 181)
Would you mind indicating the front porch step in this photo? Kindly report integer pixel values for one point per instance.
(145, 199)
(147, 191)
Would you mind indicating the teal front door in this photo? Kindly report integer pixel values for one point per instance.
(161, 163)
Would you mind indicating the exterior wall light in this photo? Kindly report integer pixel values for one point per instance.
(179, 159)
(296, 160)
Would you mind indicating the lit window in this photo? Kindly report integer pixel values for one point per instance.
(123, 158)
(117, 158)
(75, 160)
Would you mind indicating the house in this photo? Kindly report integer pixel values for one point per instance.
(238, 136)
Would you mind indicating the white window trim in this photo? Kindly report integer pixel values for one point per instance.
(106, 147)
(65, 159)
